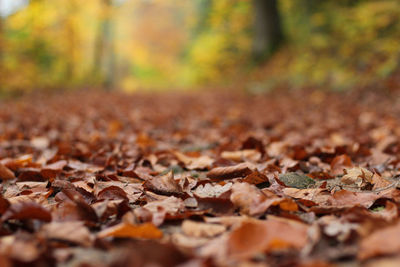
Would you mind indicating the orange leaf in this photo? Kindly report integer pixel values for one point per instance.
(145, 231)
(288, 205)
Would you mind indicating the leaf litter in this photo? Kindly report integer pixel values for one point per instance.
(212, 179)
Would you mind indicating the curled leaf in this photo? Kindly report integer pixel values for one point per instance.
(165, 184)
(6, 173)
(239, 170)
(357, 176)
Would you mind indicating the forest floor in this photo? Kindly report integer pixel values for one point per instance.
(205, 179)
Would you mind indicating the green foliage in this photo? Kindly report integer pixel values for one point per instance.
(221, 42)
(339, 44)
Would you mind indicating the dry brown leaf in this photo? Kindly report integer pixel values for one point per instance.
(239, 170)
(211, 190)
(253, 237)
(242, 155)
(51, 170)
(6, 173)
(339, 163)
(159, 209)
(379, 182)
(336, 227)
(198, 229)
(345, 198)
(316, 195)
(385, 262)
(250, 199)
(26, 210)
(256, 178)
(125, 230)
(20, 247)
(74, 232)
(357, 176)
(381, 242)
(192, 163)
(165, 185)
(228, 221)
(188, 241)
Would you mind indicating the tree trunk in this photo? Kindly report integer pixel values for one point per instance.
(71, 43)
(104, 54)
(267, 28)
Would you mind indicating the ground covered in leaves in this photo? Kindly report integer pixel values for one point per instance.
(212, 179)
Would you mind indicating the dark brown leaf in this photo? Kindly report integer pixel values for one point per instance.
(6, 173)
(25, 211)
(165, 185)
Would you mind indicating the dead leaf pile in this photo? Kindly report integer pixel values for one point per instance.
(205, 179)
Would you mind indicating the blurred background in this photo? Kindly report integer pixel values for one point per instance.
(254, 45)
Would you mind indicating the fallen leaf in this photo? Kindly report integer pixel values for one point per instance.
(22, 248)
(239, 170)
(211, 190)
(159, 209)
(51, 170)
(381, 242)
(242, 155)
(192, 163)
(4, 204)
(250, 199)
(385, 262)
(165, 185)
(198, 229)
(74, 232)
(336, 227)
(339, 163)
(112, 192)
(188, 241)
(125, 230)
(254, 237)
(345, 198)
(380, 182)
(357, 176)
(6, 173)
(26, 210)
(256, 178)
